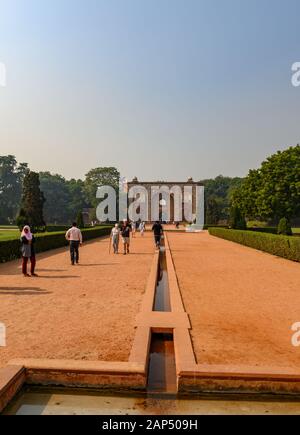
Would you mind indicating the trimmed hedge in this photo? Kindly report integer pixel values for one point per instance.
(268, 230)
(11, 249)
(208, 226)
(282, 246)
(56, 228)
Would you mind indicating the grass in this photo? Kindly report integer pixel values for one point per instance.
(9, 235)
(12, 234)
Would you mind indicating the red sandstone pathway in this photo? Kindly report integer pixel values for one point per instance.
(83, 312)
(242, 302)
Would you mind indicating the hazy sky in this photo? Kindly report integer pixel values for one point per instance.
(161, 89)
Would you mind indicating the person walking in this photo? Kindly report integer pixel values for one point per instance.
(133, 228)
(115, 238)
(74, 236)
(28, 251)
(157, 231)
(142, 228)
(125, 232)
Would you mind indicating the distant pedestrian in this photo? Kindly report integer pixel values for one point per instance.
(133, 228)
(115, 238)
(158, 231)
(142, 228)
(125, 232)
(28, 251)
(74, 236)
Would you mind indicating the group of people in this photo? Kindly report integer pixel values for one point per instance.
(74, 237)
(124, 231)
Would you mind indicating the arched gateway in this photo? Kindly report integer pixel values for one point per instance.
(169, 201)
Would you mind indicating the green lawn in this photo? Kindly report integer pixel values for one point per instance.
(9, 234)
(296, 230)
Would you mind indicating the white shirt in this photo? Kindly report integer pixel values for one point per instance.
(74, 235)
(115, 232)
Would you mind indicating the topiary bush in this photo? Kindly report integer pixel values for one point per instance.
(284, 227)
(282, 246)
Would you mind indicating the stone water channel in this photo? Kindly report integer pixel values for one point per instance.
(161, 397)
(162, 367)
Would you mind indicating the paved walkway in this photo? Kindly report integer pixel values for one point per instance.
(242, 302)
(75, 312)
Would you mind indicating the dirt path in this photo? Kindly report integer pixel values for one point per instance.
(75, 312)
(242, 302)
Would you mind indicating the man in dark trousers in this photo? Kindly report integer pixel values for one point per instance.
(74, 236)
(125, 233)
(158, 231)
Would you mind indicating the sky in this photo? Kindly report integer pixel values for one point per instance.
(161, 89)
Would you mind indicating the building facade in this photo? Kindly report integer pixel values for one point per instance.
(168, 201)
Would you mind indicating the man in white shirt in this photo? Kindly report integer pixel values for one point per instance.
(74, 236)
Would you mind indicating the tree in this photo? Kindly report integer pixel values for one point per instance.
(213, 211)
(237, 220)
(22, 219)
(218, 194)
(11, 178)
(56, 193)
(63, 198)
(273, 190)
(100, 177)
(32, 201)
(77, 198)
(80, 222)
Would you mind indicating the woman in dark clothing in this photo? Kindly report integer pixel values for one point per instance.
(28, 251)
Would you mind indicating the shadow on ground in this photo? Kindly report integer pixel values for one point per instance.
(23, 291)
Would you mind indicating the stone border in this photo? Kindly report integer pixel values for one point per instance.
(192, 378)
(12, 378)
(114, 376)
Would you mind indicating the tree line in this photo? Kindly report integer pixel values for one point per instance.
(45, 197)
(270, 193)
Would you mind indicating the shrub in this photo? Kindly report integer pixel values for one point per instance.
(282, 246)
(10, 249)
(284, 227)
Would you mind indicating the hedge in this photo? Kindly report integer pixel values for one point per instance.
(268, 230)
(56, 228)
(11, 249)
(282, 246)
(208, 226)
